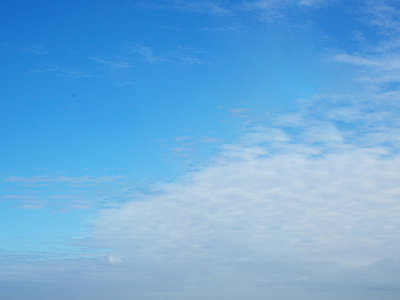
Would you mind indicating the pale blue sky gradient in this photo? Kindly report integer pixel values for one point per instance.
(200, 150)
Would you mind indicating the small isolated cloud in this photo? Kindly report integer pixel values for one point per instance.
(180, 151)
(180, 139)
(238, 112)
(36, 50)
(111, 260)
(210, 140)
(31, 206)
(146, 52)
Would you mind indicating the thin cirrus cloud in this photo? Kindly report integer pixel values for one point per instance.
(64, 179)
(270, 10)
(114, 64)
(178, 55)
(39, 202)
(64, 72)
(380, 62)
(134, 52)
(384, 69)
(36, 50)
(208, 7)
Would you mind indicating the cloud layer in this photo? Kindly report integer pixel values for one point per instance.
(308, 192)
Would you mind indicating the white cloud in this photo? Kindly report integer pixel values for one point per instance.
(378, 60)
(111, 260)
(380, 68)
(317, 187)
(382, 14)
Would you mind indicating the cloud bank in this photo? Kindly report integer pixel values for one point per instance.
(313, 194)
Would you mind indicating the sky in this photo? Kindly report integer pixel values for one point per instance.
(185, 149)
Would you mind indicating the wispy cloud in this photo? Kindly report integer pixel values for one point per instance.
(31, 206)
(180, 139)
(180, 151)
(381, 68)
(383, 14)
(316, 3)
(36, 50)
(270, 10)
(115, 64)
(202, 7)
(222, 29)
(64, 179)
(238, 112)
(39, 202)
(210, 140)
(186, 55)
(146, 52)
(378, 61)
(111, 260)
(64, 72)
(208, 7)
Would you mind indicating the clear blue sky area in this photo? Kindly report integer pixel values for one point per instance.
(185, 149)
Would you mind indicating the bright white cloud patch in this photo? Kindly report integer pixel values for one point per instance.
(316, 186)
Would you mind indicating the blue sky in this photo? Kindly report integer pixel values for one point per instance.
(200, 149)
